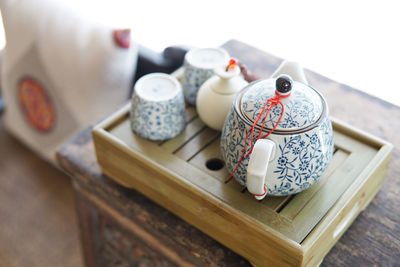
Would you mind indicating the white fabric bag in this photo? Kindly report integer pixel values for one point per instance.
(60, 71)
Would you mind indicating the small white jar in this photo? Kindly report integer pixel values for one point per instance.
(216, 95)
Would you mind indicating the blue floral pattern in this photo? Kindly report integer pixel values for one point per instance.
(192, 79)
(302, 108)
(158, 120)
(300, 159)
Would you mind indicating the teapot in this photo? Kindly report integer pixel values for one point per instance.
(277, 138)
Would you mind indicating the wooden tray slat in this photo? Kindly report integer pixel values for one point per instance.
(190, 113)
(193, 128)
(197, 144)
(332, 185)
(301, 200)
(210, 152)
(213, 151)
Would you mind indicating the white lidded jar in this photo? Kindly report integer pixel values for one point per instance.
(216, 95)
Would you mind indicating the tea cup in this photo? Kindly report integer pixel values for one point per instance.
(199, 65)
(158, 107)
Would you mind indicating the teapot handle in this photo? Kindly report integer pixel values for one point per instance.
(293, 69)
(263, 151)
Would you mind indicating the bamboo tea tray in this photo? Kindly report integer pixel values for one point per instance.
(186, 176)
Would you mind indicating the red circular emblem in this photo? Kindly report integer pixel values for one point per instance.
(122, 37)
(36, 104)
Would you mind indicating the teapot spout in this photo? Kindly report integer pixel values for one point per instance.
(293, 69)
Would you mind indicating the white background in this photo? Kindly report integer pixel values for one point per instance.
(353, 42)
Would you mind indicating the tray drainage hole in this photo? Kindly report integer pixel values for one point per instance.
(215, 164)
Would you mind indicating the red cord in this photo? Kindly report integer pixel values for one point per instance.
(265, 192)
(267, 107)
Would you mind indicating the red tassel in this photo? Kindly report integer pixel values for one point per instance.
(232, 64)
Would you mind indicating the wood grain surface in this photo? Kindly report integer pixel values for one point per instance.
(38, 224)
(373, 239)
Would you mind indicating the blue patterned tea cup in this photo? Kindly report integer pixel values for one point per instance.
(199, 66)
(158, 107)
(292, 152)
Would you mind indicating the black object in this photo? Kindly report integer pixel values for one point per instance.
(1, 104)
(167, 61)
(215, 164)
(284, 84)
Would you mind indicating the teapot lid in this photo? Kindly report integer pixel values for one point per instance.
(303, 105)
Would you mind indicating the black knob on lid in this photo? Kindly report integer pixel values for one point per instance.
(284, 84)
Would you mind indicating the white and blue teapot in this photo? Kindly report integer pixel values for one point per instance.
(292, 144)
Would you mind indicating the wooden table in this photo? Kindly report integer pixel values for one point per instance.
(120, 225)
(38, 224)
